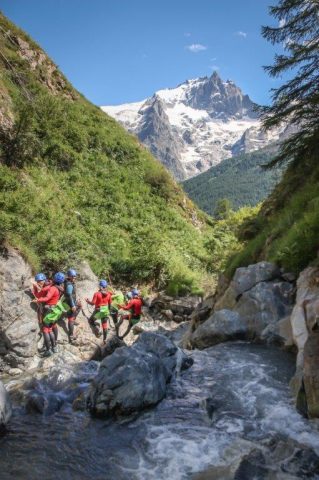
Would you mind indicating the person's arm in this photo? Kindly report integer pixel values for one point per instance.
(47, 297)
(93, 301)
(128, 306)
(68, 295)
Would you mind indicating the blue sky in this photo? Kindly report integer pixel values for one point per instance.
(118, 51)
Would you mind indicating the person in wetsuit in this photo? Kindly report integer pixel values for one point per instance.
(102, 301)
(71, 300)
(52, 311)
(134, 309)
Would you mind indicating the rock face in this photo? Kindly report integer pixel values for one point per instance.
(19, 330)
(305, 332)
(18, 321)
(134, 378)
(5, 406)
(255, 306)
(194, 126)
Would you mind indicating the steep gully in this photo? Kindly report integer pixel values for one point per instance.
(229, 416)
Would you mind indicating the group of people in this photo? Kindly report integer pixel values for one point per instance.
(57, 298)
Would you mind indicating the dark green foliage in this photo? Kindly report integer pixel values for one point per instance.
(286, 231)
(297, 100)
(222, 209)
(240, 179)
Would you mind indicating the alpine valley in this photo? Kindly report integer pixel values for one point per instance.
(196, 125)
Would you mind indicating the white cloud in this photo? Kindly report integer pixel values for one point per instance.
(240, 33)
(196, 47)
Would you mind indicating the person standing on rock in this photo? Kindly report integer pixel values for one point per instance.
(101, 300)
(71, 300)
(53, 310)
(134, 307)
(40, 288)
(118, 299)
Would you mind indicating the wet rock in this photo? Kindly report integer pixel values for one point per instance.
(168, 314)
(221, 326)
(304, 463)
(35, 403)
(134, 378)
(112, 343)
(5, 406)
(252, 466)
(178, 318)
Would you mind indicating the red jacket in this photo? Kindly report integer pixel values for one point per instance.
(135, 305)
(40, 293)
(101, 299)
(52, 296)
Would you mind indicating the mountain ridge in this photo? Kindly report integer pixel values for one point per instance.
(208, 120)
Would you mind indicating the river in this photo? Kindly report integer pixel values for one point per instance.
(230, 415)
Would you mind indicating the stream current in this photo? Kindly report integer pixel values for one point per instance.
(231, 415)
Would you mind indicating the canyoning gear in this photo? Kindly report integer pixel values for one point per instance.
(71, 273)
(55, 313)
(70, 293)
(135, 292)
(135, 306)
(59, 278)
(100, 298)
(52, 296)
(103, 283)
(40, 277)
(117, 300)
(47, 353)
(129, 295)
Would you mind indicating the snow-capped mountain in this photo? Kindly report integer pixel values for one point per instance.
(195, 125)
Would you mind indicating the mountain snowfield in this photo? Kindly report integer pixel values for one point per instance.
(196, 125)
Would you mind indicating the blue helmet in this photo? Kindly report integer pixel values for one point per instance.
(40, 277)
(103, 283)
(71, 273)
(135, 292)
(59, 278)
(129, 295)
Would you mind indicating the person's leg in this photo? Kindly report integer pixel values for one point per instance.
(47, 340)
(104, 328)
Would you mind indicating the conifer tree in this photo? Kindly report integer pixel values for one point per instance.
(296, 102)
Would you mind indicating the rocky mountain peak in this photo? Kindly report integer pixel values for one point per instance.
(195, 125)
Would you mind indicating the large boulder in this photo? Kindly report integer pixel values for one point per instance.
(221, 326)
(304, 324)
(245, 279)
(18, 320)
(5, 406)
(255, 306)
(135, 377)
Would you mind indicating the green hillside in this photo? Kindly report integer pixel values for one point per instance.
(240, 179)
(74, 185)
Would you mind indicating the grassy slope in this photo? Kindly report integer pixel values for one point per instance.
(286, 230)
(240, 179)
(87, 189)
